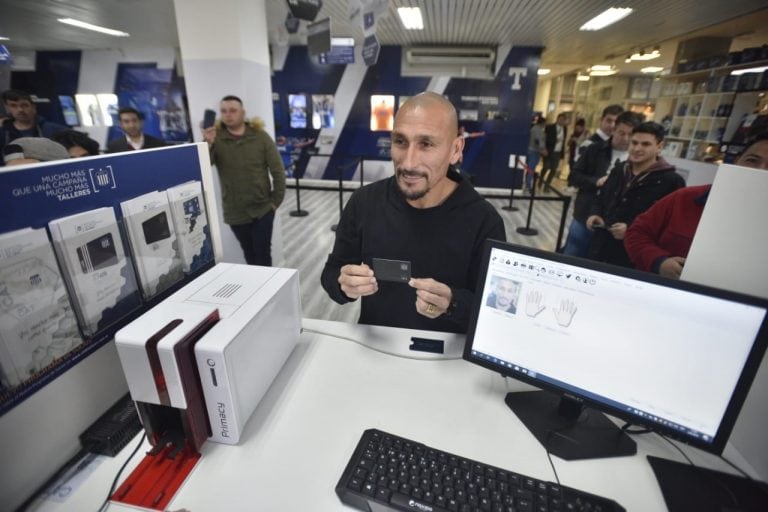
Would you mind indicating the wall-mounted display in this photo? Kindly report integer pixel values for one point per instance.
(297, 106)
(322, 111)
(90, 112)
(69, 110)
(108, 107)
(382, 112)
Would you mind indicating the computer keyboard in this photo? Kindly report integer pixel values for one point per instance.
(388, 472)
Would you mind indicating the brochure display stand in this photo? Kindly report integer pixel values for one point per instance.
(37, 323)
(153, 242)
(98, 273)
(87, 245)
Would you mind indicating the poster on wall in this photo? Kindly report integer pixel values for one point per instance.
(159, 95)
(297, 105)
(108, 108)
(322, 111)
(69, 110)
(90, 112)
(382, 112)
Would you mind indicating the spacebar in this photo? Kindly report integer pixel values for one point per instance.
(408, 503)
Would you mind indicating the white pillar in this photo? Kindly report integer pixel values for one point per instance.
(225, 50)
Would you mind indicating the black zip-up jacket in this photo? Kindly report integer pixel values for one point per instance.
(591, 166)
(622, 198)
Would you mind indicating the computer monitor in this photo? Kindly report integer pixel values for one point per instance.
(675, 357)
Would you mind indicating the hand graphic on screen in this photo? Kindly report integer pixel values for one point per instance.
(533, 303)
(564, 314)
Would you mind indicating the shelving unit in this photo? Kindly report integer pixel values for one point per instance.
(700, 108)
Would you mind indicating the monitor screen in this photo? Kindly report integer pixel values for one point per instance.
(674, 356)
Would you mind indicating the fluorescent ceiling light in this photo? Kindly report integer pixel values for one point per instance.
(342, 41)
(411, 18)
(95, 28)
(543, 71)
(5, 38)
(760, 69)
(582, 78)
(652, 69)
(602, 70)
(607, 17)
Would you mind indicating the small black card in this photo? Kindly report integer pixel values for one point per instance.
(392, 270)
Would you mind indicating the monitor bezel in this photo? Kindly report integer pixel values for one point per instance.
(738, 396)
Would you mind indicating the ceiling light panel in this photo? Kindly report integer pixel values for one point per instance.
(607, 17)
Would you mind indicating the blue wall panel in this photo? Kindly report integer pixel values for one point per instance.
(504, 111)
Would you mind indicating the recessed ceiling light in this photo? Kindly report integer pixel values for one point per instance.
(95, 28)
(607, 17)
(652, 69)
(543, 71)
(411, 18)
(602, 70)
(760, 69)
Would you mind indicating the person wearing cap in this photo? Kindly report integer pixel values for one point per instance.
(23, 120)
(31, 150)
(132, 124)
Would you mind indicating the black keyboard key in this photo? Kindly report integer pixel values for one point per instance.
(387, 472)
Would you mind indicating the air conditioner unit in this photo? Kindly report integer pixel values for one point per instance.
(458, 61)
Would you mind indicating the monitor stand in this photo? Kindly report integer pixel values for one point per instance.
(566, 429)
(687, 487)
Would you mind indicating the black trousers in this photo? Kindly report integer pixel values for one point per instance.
(549, 168)
(256, 239)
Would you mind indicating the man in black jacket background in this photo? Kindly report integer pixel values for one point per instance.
(556, 135)
(590, 173)
(631, 188)
(132, 124)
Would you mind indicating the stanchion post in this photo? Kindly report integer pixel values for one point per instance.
(298, 212)
(528, 230)
(510, 207)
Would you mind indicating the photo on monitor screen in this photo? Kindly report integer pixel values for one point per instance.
(297, 106)
(322, 111)
(382, 112)
(69, 110)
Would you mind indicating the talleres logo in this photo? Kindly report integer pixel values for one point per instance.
(419, 506)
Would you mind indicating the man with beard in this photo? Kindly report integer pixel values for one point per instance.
(245, 157)
(426, 214)
(23, 120)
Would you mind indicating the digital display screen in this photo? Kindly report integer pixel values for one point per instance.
(382, 112)
(297, 106)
